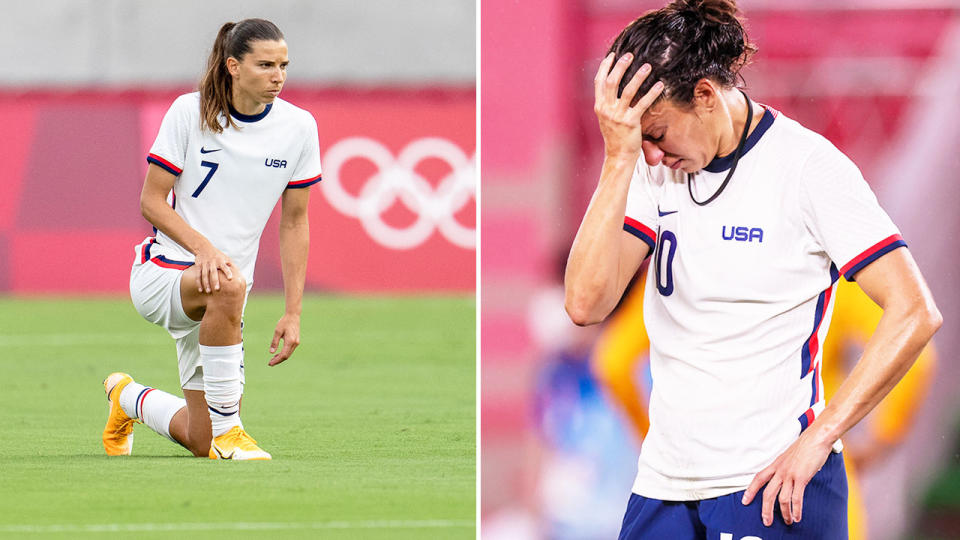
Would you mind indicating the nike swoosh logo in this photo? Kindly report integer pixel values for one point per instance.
(202, 151)
(666, 213)
(221, 454)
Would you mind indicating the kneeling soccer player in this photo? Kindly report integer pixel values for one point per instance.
(222, 159)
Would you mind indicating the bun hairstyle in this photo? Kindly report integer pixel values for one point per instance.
(234, 40)
(684, 42)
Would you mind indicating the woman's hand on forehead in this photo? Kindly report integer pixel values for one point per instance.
(619, 121)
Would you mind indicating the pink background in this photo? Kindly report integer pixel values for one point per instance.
(74, 163)
(879, 82)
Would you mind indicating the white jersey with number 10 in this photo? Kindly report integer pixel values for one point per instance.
(739, 299)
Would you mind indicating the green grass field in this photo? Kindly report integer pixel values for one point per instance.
(371, 425)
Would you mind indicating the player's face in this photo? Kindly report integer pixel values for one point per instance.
(261, 73)
(678, 137)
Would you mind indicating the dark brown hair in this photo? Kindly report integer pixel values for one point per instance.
(684, 42)
(234, 40)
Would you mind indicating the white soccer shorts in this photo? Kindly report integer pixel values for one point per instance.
(155, 292)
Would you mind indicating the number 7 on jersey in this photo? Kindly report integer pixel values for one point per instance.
(213, 168)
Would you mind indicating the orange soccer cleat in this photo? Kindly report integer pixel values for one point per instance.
(236, 444)
(118, 433)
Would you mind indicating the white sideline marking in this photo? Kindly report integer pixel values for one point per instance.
(238, 526)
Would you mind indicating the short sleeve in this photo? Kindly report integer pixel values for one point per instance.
(641, 215)
(307, 171)
(169, 150)
(842, 212)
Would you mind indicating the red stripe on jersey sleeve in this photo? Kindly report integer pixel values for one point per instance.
(892, 239)
(305, 183)
(170, 167)
(642, 231)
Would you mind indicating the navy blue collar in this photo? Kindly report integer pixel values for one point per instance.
(250, 117)
(720, 164)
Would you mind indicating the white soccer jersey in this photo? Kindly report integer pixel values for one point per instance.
(228, 183)
(739, 299)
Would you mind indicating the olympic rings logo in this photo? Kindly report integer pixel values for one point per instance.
(396, 178)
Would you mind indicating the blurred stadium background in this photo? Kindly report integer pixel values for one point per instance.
(879, 78)
(392, 84)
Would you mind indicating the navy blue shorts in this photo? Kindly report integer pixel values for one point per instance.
(726, 518)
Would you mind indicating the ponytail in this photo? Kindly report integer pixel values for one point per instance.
(216, 86)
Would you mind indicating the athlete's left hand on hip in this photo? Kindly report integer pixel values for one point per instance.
(787, 477)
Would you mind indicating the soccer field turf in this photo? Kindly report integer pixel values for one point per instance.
(371, 425)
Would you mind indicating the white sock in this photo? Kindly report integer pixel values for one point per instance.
(129, 397)
(223, 385)
(153, 407)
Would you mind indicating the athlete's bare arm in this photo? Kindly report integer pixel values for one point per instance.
(910, 318)
(156, 210)
(604, 257)
(294, 247)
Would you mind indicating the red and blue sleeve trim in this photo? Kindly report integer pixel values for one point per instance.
(164, 164)
(872, 253)
(305, 183)
(641, 231)
(164, 262)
